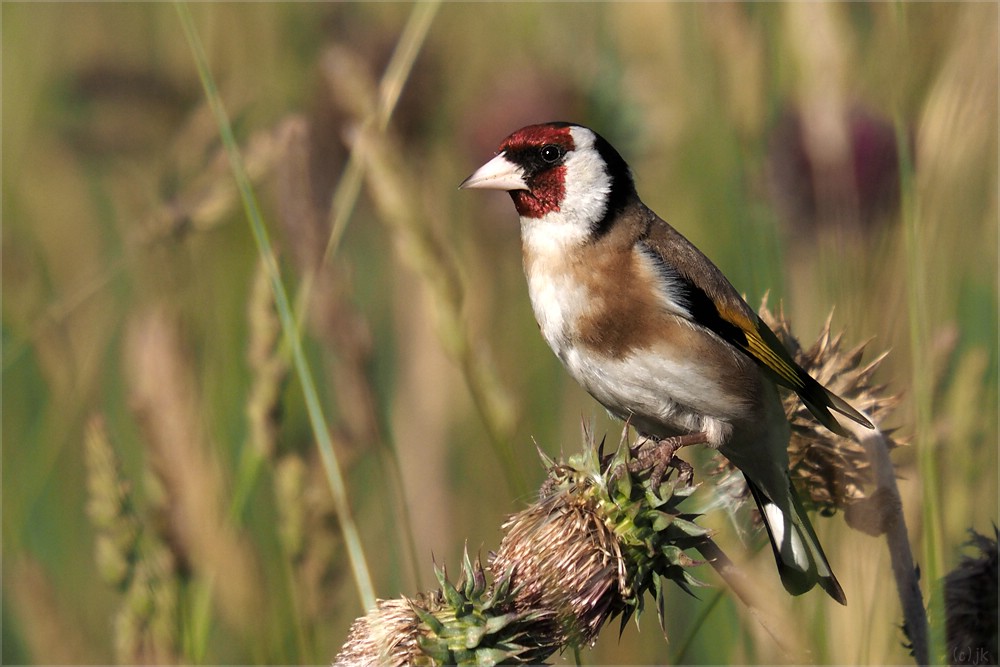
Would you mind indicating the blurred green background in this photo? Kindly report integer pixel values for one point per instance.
(775, 136)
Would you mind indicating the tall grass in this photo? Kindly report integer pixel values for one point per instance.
(128, 274)
(359, 565)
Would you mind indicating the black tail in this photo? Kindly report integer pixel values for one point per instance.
(797, 552)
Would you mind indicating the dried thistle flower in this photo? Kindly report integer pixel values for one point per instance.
(566, 560)
(835, 471)
(475, 624)
(970, 600)
(597, 540)
(832, 472)
(387, 635)
(470, 623)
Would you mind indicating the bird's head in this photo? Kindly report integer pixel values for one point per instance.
(560, 171)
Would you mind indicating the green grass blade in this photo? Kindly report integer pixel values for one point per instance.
(390, 88)
(349, 186)
(927, 459)
(345, 197)
(681, 654)
(352, 540)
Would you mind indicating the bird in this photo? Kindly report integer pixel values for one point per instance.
(654, 331)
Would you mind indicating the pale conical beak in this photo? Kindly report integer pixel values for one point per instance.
(497, 174)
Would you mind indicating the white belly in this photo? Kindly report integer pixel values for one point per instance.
(658, 395)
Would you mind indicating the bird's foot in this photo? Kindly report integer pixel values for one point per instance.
(657, 455)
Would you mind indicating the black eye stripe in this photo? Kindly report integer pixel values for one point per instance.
(536, 159)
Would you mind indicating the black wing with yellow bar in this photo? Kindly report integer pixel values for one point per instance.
(741, 327)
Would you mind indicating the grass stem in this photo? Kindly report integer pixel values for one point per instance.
(926, 450)
(352, 539)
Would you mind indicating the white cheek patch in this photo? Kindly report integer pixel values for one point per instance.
(587, 181)
(588, 186)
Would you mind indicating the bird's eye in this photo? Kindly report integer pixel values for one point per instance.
(551, 153)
